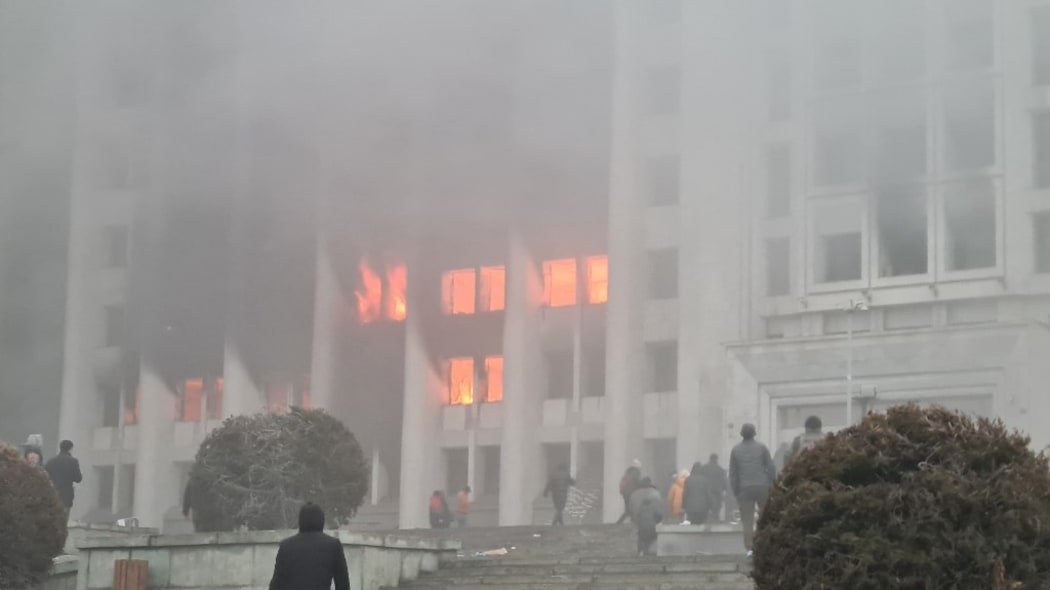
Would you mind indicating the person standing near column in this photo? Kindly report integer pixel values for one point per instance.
(64, 470)
(751, 474)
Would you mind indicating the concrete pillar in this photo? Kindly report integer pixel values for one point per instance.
(156, 480)
(577, 391)
(624, 350)
(522, 402)
(240, 395)
(326, 302)
(421, 460)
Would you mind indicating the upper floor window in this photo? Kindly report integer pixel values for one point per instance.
(597, 279)
(559, 282)
(459, 291)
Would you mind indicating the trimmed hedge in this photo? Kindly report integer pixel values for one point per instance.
(256, 471)
(32, 521)
(911, 499)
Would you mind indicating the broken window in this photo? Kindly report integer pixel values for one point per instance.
(662, 180)
(461, 381)
(1041, 149)
(838, 143)
(778, 180)
(559, 374)
(969, 127)
(597, 279)
(663, 273)
(970, 232)
(779, 91)
(663, 367)
(1041, 45)
(901, 223)
(190, 395)
(117, 246)
(663, 90)
(559, 282)
(900, 136)
(969, 35)
(778, 266)
(838, 59)
(837, 228)
(114, 325)
(900, 40)
(458, 291)
(1041, 232)
(493, 288)
(492, 380)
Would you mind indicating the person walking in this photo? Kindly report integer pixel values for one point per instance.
(64, 470)
(751, 474)
(463, 507)
(628, 484)
(716, 481)
(646, 505)
(310, 560)
(814, 432)
(440, 515)
(675, 504)
(694, 496)
(558, 485)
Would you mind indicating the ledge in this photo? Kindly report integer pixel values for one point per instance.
(266, 538)
(64, 564)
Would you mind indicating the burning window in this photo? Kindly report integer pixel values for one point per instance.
(663, 273)
(661, 174)
(663, 90)
(900, 136)
(396, 286)
(278, 395)
(1041, 230)
(970, 219)
(376, 300)
(838, 143)
(837, 247)
(969, 34)
(901, 221)
(190, 400)
(459, 291)
(461, 381)
(494, 379)
(778, 266)
(1041, 45)
(597, 279)
(778, 180)
(493, 288)
(663, 367)
(559, 282)
(369, 294)
(216, 389)
(970, 127)
(1041, 149)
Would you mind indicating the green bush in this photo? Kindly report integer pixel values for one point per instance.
(32, 521)
(911, 499)
(256, 471)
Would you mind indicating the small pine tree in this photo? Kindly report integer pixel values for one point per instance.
(32, 521)
(256, 471)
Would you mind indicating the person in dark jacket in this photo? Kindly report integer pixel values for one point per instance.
(558, 489)
(751, 474)
(694, 497)
(647, 510)
(440, 515)
(628, 484)
(310, 560)
(64, 470)
(717, 485)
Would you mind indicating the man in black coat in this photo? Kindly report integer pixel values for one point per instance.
(310, 560)
(64, 470)
(558, 488)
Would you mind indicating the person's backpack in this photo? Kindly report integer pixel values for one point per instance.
(435, 505)
(808, 440)
(626, 485)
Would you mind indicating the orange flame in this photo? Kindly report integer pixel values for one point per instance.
(369, 294)
(396, 300)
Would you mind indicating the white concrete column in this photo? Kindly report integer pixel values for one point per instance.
(240, 393)
(156, 480)
(624, 350)
(421, 464)
(326, 301)
(577, 391)
(522, 401)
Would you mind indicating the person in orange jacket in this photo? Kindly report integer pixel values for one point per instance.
(674, 498)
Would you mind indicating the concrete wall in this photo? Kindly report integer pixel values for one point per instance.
(245, 560)
(79, 533)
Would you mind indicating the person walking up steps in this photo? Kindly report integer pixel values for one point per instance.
(628, 484)
(647, 510)
(558, 489)
(751, 474)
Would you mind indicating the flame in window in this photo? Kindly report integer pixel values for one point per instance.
(559, 282)
(396, 300)
(377, 299)
(461, 382)
(493, 288)
(459, 291)
(369, 294)
(215, 392)
(190, 400)
(598, 279)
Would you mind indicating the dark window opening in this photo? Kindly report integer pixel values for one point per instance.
(114, 326)
(491, 464)
(594, 371)
(970, 128)
(111, 410)
(1041, 230)
(663, 89)
(778, 266)
(457, 467)
(663, 274)
(663, 367)
(970, 217)
(104, 476)
(1041, 149)
(778, 180)
(662, 176)
(559, 374)
(901, 222)
(842, 258)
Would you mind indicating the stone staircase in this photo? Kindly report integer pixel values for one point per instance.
(573, 558)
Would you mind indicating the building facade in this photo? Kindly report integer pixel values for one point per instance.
(795, 195)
